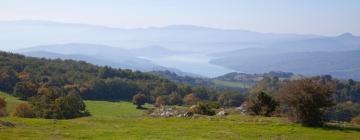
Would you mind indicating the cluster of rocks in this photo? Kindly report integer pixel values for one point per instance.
(165, 112)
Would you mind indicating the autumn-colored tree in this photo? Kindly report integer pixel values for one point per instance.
(139, 100)
(307, 99)
(190, 99)
(24, 110)
(162, 100)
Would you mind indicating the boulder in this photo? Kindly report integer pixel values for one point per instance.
(222, 113)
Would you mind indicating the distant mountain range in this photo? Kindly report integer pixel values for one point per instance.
(102, 55)
(338, 56)
(183, 48)
(26, 33)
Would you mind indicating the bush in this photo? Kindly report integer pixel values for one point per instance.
(2, 107)
(262, 104)
(356, 120)
(203, 109)
(24, 110)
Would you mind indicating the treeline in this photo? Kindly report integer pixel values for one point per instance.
(54, 87)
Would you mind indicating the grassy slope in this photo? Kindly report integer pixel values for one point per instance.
(113, 120)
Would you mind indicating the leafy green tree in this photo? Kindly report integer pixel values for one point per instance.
(25, 89)
(8, 80)
(230, 98)
(139, 100)
(70, 106)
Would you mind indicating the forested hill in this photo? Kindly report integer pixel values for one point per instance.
(91, 81)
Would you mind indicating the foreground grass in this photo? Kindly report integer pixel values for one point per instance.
(120, 120)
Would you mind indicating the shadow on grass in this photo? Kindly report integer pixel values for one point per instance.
(341, 128)
(142, 108)
(336, 127)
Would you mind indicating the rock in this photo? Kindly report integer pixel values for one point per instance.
(222, 113)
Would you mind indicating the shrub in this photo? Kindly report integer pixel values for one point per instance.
(24, 110)
(203, 109)
(356, 120)
(262, 104)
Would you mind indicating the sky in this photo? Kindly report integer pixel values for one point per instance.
(322, 17)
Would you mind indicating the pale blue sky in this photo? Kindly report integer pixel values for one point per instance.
(325, 17)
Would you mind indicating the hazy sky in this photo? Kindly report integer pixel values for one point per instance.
(326, 17)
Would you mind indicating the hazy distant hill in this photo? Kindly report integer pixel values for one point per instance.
(105, 55)
(343, 65)
(182, 37)
(343, 42)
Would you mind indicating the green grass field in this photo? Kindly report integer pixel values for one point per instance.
(120, 120)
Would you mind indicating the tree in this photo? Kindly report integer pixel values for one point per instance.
(228, 99)
(70, 106)
(162, 100)
(2, 107)
(269, 85)
(8, 80)
(262, 104)
(190, 99)
(139, 100)
(24, 110)
(307, 99)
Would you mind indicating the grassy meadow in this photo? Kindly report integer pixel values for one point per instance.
(121, 120)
